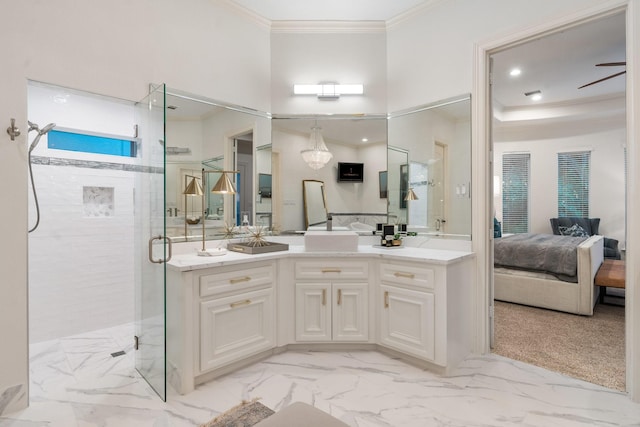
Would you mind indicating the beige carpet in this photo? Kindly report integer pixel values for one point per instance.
(588, 348)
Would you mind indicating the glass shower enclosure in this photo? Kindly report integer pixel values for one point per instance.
(152, 247)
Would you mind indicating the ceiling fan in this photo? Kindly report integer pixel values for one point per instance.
(608, 64)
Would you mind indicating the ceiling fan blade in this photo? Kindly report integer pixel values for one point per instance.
(601, 80)
(611, 64)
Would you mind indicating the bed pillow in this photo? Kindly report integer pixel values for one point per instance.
(575, 231)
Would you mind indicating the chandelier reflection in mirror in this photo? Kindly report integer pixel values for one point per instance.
(318, 155)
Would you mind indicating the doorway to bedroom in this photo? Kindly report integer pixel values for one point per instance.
(558, 136)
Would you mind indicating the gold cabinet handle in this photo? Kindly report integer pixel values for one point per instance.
(239, 280)
(240, 303)
(405, 275)
(339, 296)
(331, 270)
(324, 297)
(386, 299)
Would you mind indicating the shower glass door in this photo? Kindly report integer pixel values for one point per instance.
(152, 249)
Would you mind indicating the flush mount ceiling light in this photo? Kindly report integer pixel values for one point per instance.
(318, 155)
(328, 90)
(515, 72)
(536, 95)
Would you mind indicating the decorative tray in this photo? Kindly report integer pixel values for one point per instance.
(247, 248)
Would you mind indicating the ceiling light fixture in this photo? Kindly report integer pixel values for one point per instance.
(536, 95)
(328, 90)
(318, 155)
(515, 72)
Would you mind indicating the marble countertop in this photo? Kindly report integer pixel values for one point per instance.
(191, 261)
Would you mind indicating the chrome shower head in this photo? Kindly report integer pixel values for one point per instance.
(41, 132)
(47, 128)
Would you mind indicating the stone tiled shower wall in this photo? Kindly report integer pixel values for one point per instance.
(81, 270)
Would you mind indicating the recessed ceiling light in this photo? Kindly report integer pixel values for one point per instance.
(515, 72)
(365, 139)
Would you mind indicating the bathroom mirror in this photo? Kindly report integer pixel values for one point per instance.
(430, 153)
(206, 134)
(315, 203)
(354, 204)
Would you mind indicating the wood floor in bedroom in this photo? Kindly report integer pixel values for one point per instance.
(583, 347)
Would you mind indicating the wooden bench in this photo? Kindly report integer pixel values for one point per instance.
(610, 275)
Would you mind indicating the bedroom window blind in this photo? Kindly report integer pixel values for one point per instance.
(573, 184)
(515, 192)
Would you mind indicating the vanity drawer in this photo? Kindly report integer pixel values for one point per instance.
(407, 275)
(234, 279)
(331, 269)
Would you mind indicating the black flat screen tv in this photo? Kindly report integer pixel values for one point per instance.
(350, 172)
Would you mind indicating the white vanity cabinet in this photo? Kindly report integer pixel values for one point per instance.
(331, 301)
(225, 314)
(407, 309)
(425, 310)
(217, 317)
(237, 314)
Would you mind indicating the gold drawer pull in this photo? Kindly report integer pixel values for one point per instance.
(339, 296)
(405, 275)
(240, 303)
(240, 280)
(386, 299)
(331, 270)
(324, 297)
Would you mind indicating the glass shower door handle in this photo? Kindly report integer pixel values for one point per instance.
(160, 260)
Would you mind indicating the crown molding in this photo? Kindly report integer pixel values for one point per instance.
(414, 11)
(247, 13)
(328, 27)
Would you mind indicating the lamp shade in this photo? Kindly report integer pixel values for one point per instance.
(411, 195)
(193, 188)
(224, 185)
(318, 155)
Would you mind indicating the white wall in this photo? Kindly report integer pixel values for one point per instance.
(304, 56)
(606, 183)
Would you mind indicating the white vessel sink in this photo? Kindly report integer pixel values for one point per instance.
(331, 241)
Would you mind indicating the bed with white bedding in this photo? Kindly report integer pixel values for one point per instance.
(542, 274)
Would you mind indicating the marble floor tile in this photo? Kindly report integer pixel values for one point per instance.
(76, 382)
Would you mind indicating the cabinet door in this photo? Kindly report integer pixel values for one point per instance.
(235, 327)
(350, 312)
(407, 321)
(313, 312)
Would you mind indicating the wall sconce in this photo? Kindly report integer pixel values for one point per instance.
(411, 195)
(223, 186)
(193, 188)
(328, 90)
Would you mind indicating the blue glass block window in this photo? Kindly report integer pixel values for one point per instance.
(69, 141)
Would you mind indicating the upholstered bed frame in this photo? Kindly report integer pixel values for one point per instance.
(546, 291)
